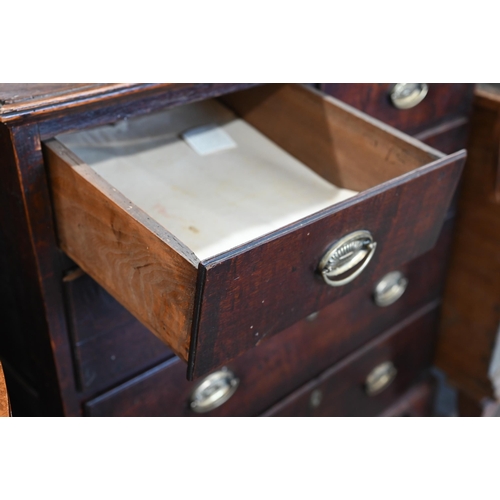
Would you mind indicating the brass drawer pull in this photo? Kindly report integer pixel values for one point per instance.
(353, 251)
(213, 391)
(316, 398)
(408, 95)
(380, 378)
(390, 289)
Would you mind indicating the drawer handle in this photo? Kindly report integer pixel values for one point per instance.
(213, 391)
(351, 253)
(408, 95)
(380, 378)
(390, 289)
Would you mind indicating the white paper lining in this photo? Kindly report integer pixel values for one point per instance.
(211, 203)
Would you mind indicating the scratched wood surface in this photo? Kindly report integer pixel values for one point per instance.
(259, 288)
(341, 390)
(278, 366)
(37, 342)
(273, 283)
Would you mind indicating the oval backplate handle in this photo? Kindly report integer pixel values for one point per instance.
(390, 289)
(380, 378)
(408, 95)
(347, 258)
(213, 391)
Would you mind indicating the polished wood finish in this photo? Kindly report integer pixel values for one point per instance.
(154, 275)
(341, 391)
(276, 367)
(444, 102)
(41, 102)
(471, 311)
(417, 402)
(449, 137)
(36, 347)
(273, 283)
(40, 349)
(19, 97)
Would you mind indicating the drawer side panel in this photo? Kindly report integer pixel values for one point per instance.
(123, 253)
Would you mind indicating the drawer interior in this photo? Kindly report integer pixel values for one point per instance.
(284, 155)
(213, 252)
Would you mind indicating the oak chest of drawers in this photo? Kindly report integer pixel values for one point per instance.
(309, 308)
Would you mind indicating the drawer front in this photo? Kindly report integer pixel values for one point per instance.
(264, 375)
(447, 139)
(371, 379)
(272, 285)
(109, 344)
(213, 310)
(280, 365)
(416, 402)
(443, 102)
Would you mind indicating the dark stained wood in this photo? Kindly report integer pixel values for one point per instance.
(17, 97)
(37, 342)
(110, 106)
(471, 310)
(34, 339)
(34, 333)
(109, 344)
(449, 137)
(273, 282)
(29, 102)
(444, 102)
(276, 367)
(154, 275)
(408, 345)
(416, 402)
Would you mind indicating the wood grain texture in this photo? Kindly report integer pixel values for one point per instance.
(347, 148)
(409, 346)
(109, 344)
(471, 310)
(34, 339)
(21, 96)
(38, 102)
(5, 410)
(272, 282)
(139, 262)
(277, 367)
(444, 102)
(153, 274)
(416, 402)
(449, 137)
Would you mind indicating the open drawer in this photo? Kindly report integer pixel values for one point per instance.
(223, 222)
